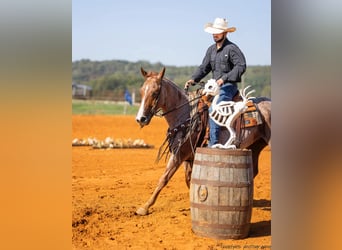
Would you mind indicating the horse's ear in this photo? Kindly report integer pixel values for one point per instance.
(161, 73)
(143, 72)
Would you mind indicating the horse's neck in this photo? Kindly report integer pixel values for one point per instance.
(176, 103)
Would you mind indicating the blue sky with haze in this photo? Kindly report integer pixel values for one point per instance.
(167, 31)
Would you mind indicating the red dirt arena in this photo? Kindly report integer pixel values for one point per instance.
(108, 185)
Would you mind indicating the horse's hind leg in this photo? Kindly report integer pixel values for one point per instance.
(256, 148)
(172, 166)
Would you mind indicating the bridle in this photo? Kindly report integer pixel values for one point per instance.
(154, 111)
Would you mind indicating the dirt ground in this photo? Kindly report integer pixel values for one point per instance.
(108, 185)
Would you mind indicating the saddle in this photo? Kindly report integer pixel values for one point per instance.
(251, 117)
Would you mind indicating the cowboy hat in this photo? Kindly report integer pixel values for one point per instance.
(220, 25)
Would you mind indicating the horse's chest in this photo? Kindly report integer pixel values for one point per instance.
(178, 131)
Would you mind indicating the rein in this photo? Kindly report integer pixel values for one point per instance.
(181, 105)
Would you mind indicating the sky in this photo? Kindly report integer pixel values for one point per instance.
(168, 32)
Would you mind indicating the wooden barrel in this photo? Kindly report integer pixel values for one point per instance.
(221, 193)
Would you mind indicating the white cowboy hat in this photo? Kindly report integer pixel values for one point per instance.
(220, 25)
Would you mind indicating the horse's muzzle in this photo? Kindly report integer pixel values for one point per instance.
(143, 120)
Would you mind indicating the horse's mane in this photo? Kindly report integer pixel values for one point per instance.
(174, 85)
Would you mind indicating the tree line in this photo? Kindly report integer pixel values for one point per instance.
(109, 79)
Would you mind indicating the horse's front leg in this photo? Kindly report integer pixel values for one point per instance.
(188, 171)
(172, 166)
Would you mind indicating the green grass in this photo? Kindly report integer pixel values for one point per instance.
(90, 107)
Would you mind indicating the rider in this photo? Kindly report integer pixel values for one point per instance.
(227, 64)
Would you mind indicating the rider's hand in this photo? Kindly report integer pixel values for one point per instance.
(188, 83)
(220, 82)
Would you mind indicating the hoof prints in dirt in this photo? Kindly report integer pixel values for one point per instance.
(100, 222)
(79, 222)
(95, 214)
(82, 221)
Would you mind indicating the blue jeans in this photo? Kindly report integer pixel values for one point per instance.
(227, 92)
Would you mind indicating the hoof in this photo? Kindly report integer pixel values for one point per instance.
(141, 211)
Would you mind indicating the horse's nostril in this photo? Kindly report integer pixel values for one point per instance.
(142, 119)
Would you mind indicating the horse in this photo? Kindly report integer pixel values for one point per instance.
(187, 129)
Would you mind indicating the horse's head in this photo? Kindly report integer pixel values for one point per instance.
(211, 88)
(150, 93)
